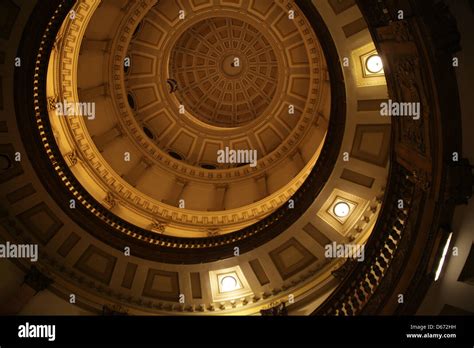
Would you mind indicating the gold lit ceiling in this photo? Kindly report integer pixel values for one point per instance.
(160, 85)
(183, 88)
(130, 207)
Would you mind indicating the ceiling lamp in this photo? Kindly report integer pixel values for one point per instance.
(341, 209)
(229, 283)
(374, 64)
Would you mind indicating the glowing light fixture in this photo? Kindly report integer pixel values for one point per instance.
(229, 283)
(341, 209)
(374, 64)
(443, 257)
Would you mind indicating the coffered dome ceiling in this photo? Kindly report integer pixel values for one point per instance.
(174, 85)
(184, 89)
(226, 71)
